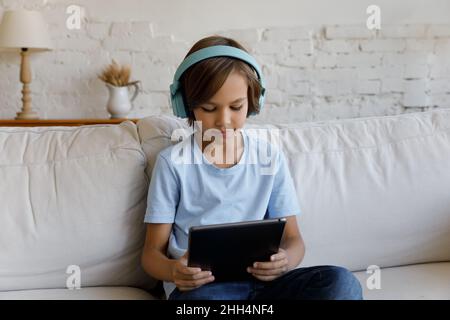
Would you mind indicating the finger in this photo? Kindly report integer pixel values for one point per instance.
(204, 281)
(270, 265)
(185, 283)
(269, 272)
(199, 282)
(193, 283)
(201, 275)
(278, 256)
(196, 276)
(188, 270)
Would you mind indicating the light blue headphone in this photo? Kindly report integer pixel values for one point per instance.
(176, 95)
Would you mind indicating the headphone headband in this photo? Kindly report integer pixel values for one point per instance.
(206, 53)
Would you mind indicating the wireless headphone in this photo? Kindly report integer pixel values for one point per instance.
(179, 109)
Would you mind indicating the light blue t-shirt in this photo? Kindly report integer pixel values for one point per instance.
(188, 190)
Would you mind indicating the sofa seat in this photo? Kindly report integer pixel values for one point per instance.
(412, 282)
(88, 293)
(421, 281)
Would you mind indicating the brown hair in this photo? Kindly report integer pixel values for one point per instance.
(201, 81)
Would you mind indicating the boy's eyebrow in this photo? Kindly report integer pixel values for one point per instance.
(237, 100)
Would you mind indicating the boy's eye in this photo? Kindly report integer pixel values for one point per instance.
(233, 108)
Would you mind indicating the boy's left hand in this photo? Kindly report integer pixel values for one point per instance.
(270, 270)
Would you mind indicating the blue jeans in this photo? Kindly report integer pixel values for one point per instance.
(312, 283)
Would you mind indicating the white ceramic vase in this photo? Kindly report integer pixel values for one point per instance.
(119, 102)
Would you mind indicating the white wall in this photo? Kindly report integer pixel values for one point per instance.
(189, 18)
(320, 60)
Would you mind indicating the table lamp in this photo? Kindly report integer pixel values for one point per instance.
(24, 31)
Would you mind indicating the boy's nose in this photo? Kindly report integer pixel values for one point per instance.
(223, 119)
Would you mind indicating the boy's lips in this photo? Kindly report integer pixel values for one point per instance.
(224, 132)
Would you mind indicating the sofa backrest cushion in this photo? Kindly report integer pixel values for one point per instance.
(373, 191)
(155, 133)
(72, 196)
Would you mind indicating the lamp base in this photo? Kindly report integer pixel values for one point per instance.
(28, 115)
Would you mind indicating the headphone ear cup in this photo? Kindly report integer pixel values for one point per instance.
(178, 105)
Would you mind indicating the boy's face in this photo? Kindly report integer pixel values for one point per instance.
(227, 109)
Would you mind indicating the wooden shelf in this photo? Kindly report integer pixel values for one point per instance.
(60, 122)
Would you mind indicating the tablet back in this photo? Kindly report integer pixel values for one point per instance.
(228, 249)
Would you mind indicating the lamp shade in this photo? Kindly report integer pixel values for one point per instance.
(24, 29)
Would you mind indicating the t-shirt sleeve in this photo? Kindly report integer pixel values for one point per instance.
(163, 193)
(283, 198)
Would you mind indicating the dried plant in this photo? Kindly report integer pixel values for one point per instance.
(116, 75)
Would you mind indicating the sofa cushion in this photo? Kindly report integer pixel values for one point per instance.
(415, 282)
(155, 133)
(72, 196)
(373, 191)
(87, 293)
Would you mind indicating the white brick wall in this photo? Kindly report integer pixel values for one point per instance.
(314, 72)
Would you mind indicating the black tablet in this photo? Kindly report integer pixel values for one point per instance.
(228, 249)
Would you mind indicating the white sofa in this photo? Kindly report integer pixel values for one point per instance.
(373, 191)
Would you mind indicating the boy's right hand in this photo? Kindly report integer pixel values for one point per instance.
(187, 278)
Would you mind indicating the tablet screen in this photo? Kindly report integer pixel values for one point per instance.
(228, 249)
